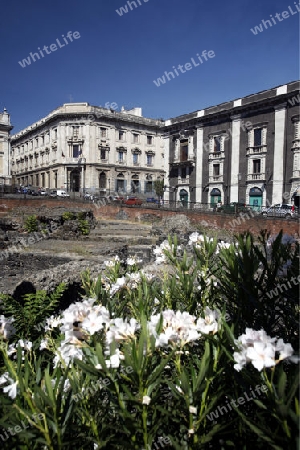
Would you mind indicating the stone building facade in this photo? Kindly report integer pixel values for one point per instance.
(5, 128)
(246, 150)
(82, 148)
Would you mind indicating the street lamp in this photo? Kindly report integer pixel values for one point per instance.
(109, 186)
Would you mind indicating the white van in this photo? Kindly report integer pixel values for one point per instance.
(61, 193)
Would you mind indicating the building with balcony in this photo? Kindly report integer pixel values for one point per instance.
(246, 150)
(79, 147)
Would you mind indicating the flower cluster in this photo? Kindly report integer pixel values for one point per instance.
(160, 250)
(179, 328)
(78, 322)
(7, 330)
(260, 349)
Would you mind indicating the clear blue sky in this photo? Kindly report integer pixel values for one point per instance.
(117, 57)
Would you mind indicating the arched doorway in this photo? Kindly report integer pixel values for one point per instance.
(120, 184)
(102, 181)
(75, 180)
(135, 184)
(215, 197)
(184, 197)
(255, 198)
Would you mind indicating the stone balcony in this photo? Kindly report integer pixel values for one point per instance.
(256, 177)
(256, 150)
(216, 155)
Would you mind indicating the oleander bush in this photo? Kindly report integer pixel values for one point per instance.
(200, 353)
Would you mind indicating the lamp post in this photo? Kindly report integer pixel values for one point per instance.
(109, 186)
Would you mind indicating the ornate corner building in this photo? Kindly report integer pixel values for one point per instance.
(246, 150)
(79, 147)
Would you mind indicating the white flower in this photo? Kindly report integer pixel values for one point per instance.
(5, 378)
(285, 350)
(196, 239)
(260, 349)
(52, 322)
(146, 400)
(210, 322)
(11, 390)
(27, 345)
(121, 282)
(193, 410)
(44, 344)
(6, 327)
(261, 355)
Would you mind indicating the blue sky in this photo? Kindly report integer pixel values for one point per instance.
(117, 57)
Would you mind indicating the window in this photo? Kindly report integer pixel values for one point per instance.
(184, 150)
(75, 131)
(103, 132)
(149, 187)
(102, 153)
(36, 142)
(149, 160)
(121, 135)
(135, 138)
(257, 137)
(183, 172)
(149, 140)
(76, 151)
(121, 156)
(55, 133)
(135, 158)
(216, 170)
(256, 166)
(217, 144)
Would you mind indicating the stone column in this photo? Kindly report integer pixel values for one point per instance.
(235, 158)
(200, 155)
(280, 118)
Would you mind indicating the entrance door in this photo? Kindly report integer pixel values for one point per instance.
(255, 198)
(184, 197)
(75, 181)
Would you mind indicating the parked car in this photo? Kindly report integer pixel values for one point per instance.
(280, 210)
(152, 200)
(43, 192)
(133, 201)
(233, 207)
(53, 193)
(61, 193)
(34, 193)
(116, 199)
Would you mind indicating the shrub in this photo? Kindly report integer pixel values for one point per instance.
(67, 216)
(84, 226)
(31, 224)
(186, 359)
